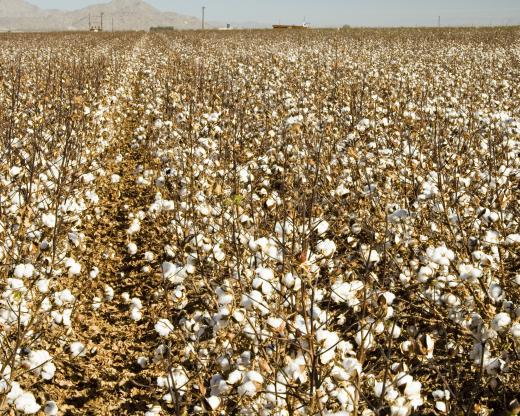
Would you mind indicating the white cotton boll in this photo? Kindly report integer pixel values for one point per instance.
(379, 327)
(49, 220)
(77, 349)
(94, 273)
(495, 292)
(136, 314)
(247, 389)
(234, 377)
(149, 256)
(515, 330)
(265, 273)
(109, 293)
(326, 248)
(163, 327)
(500, 321)
(14, 171)
(373, 257)
(403, 378)
(43, 285)
(24, 271)
(512, 239)
(153, 410)
(131, 248)
(74, 269)
(142, 362)
(48, 370)
(96, 303)
(441, 407)
(27, 404)
(219, 255)
(115, 178)
(213, 402)
(173, 272)
(51, 408)
(378, 388)
(396, 331)
(365, 338)
(275, 323)
(413, 388)
(346, 291)
(322, 227)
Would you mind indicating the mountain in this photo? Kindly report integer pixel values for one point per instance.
(20, 15)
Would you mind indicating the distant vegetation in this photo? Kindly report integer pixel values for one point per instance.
(161, 28)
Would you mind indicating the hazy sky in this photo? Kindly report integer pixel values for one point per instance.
(335, 12)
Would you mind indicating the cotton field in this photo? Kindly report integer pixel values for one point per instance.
(260, 223)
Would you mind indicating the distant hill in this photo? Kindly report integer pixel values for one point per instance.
(20, 15)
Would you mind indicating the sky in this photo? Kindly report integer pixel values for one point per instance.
(321, 13)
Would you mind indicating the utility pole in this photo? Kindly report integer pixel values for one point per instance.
(112, 24)
(102, 22)
(89, 23)
(203, 12)
(439, 22)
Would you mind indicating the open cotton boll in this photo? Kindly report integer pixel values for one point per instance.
(94, 273)
(364, 337)
(213, 402)
(173, 272)
(114, 178)
(109, 293)
(326, 248)
(24, 271)
(27, 404)
(49, 220)
(515, 330)
(440, 255)
(500, 321)
(131, 248)
(163, 327)
(77, 349)
(512, 239)
(51, 408)
(346, 291)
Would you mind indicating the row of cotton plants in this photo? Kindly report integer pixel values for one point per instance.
(264, 223)
(54, 131)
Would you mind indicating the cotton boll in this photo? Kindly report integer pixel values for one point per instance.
(441, 407)
(43, 285)
(142, 362)
(515, 330)
(247, 389)
(154, 410)
(326, 248)
(512, 239)
(412, 388)
(77, 349)
(26, 403)
(74, 269)
(96, 303)
(213, 402)
(49, 220)
(115, 178)
(163, 327)
(94, 273)
(365, 338)
(131, 248)
(51, 408)
(500, 321)
(136, 314)
(109, 293)
(24, 271)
